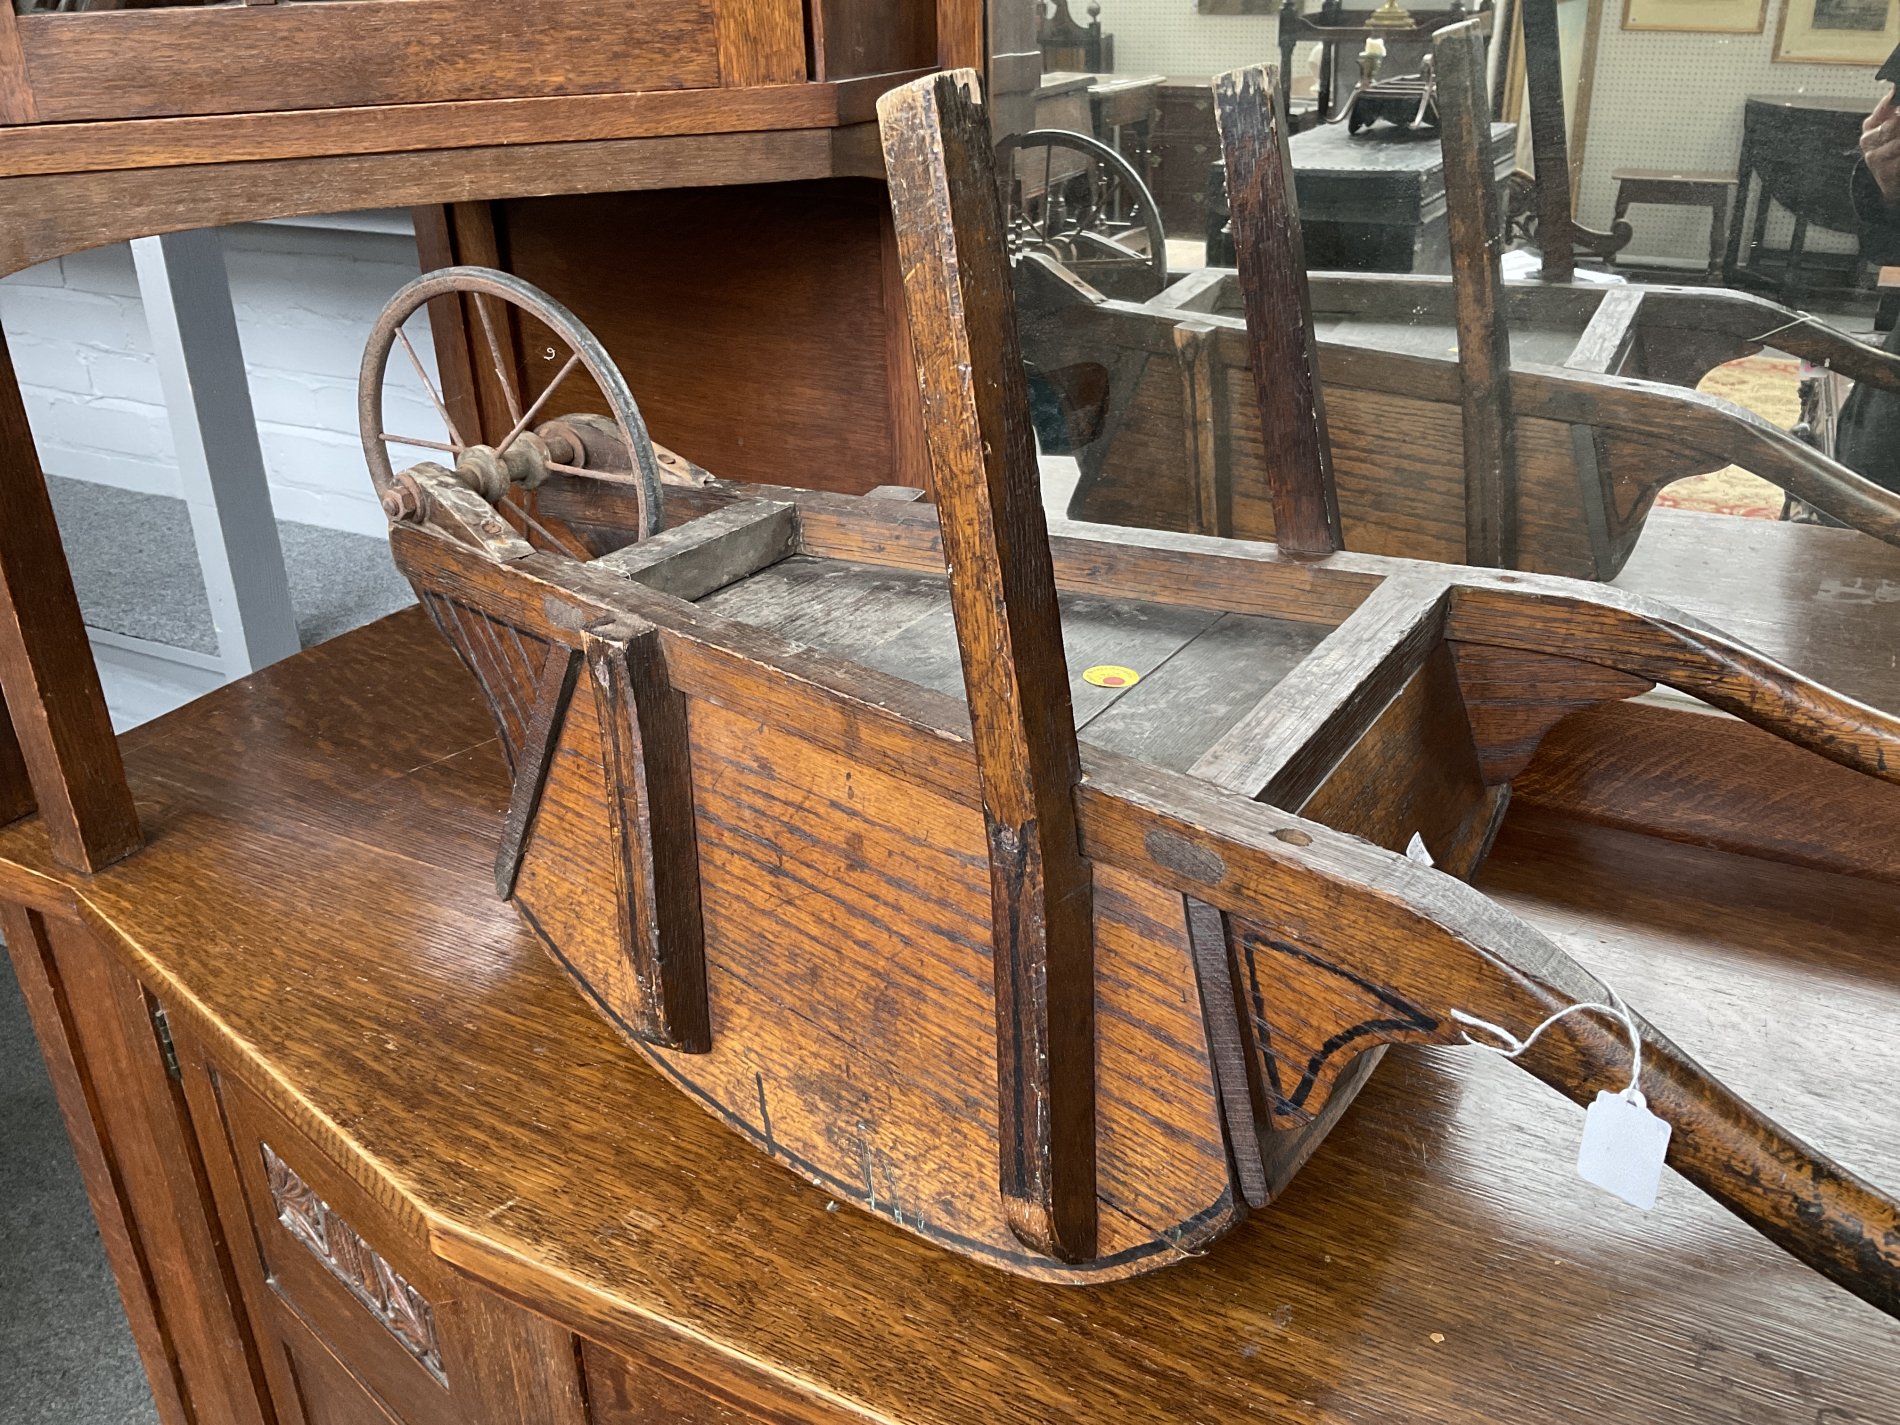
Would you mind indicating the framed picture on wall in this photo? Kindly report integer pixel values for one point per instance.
(1716, 17)
(1837, 31)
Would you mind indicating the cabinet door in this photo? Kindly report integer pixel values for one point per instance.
(358, 1322)
(105, 1047)
(139, 59)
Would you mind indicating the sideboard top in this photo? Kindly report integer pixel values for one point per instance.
(321, 911)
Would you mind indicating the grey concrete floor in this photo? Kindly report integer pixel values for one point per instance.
(66, 1357)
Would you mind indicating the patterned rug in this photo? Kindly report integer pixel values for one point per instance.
(1770, 386)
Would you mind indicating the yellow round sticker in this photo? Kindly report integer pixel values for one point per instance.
(1111, 675)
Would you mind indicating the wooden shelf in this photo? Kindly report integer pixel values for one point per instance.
(105, 145)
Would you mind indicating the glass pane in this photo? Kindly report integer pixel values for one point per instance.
(1704, 228)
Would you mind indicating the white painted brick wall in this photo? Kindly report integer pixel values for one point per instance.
(305, 298)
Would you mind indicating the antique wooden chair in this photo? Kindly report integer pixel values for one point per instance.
(1067, 45)
(1555, 229)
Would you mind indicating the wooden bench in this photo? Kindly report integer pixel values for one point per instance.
(1679, 190)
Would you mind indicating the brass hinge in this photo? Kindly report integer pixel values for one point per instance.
(163, 1028)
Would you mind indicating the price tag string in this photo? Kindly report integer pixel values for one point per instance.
(1511, 1047)
(1624, 1145)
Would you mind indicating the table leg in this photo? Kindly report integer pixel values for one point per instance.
(1718, 234)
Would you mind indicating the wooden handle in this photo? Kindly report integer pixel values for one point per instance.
(1477, 276)
(1715, 325)
(1821, 481)
(1819, 344)
(948, 215)
(1690, 420)
(1803, 1201)
(1649, 641)
(1279, 308)
(1550, 143)
(1341, 946)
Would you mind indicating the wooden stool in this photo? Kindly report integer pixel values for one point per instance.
(1680, 190)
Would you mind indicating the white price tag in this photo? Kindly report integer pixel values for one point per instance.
(1623, 1148)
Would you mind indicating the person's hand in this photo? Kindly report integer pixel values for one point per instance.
(1880, 147)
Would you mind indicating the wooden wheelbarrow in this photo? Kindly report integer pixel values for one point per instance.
(1045, 896)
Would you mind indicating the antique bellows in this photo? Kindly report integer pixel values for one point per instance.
(1066, 974)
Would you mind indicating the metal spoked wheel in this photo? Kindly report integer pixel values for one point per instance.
(614, 448)
(1082, 203)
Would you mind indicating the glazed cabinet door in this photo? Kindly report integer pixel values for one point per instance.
(357, 1322)
(128, 59)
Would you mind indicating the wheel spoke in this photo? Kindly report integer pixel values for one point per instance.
(500, 362)
(608, 477)
(520, 507)
(1048, 187)
(541, 400)
(429, 386)
(389, 439)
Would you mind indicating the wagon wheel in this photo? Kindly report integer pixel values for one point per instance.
(1082, 203)
(615, 448)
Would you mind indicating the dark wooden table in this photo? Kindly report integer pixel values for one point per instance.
(1126, 108)
(1798, 154)
(1369, 202)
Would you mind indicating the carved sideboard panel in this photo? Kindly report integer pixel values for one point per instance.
(402, 1310)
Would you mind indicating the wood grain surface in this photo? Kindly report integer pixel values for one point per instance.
(58, 750)
(1460, 954)
(1713, 781)
(143, 64)
(770, 297)
(948, 215)
(70, 1069)
(1444, 1203)
(1592, 449)
(1550, 148)
(70, 211)
(645, 762)
(1475, 222)
(1272, 257)
(106, 145)
(16, 95)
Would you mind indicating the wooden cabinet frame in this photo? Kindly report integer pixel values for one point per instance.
(74, 185)
(260, 57)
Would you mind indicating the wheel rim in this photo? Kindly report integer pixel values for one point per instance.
(1107, 171)
(488, 289)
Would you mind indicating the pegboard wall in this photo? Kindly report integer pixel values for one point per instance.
(1657, 100)
(1675, 102)
(1173, 37)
